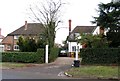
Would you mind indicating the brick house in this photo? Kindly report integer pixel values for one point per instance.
(28, 30)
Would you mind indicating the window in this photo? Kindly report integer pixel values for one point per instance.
(16, 37)
(73, 48)
(8, 47)
(16, 47)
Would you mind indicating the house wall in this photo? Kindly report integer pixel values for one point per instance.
(100, 31)
(96, 31)
(72, 46)
(1, 48)
(8, 43)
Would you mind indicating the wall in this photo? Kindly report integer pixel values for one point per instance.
(71, 44)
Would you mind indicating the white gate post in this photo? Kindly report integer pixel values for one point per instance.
(76, 56)
(46, 54)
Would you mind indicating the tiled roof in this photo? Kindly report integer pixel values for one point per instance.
(80, 30)
(84, 29)
(32, 29)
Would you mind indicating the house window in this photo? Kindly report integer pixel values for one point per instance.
(77, 34)
(73, 48)
(16, 47)
(8, 47)
(16, 37)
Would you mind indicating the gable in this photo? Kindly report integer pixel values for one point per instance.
(7, 40)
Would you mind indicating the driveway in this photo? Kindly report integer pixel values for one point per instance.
(53, 70)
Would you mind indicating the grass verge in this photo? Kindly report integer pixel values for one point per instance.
(9, 65)
(104, 72)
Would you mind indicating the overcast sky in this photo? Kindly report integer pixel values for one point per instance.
(13, 14)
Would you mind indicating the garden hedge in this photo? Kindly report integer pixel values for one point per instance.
(30, 57)
(102, 56)
(24, 57)
(53, 54)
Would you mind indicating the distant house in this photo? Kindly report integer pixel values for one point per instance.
(28, 30)
(75, 34)
(1, 37)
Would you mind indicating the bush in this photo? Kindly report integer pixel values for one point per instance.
(100, 56)
(53, 54)
(41, 55)
(24, 57)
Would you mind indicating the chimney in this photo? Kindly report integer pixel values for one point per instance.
(69, 25)
(25, 25)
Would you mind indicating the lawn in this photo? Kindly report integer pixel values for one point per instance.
(10, 65)
(104, 72)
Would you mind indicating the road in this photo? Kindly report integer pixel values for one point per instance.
(53, 70)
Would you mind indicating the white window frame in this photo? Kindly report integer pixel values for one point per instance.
(8, 47)
(16, 37)
(16, 47)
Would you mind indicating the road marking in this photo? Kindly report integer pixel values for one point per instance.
(61, 74)
(52, 67)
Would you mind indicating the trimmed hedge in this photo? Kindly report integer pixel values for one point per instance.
(53, 54)
(30, 57)
(24, 57)
(100, 56)
(41, 55)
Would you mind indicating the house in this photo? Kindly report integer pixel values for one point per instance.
(1, 37)
(27, 30)
(75, 35)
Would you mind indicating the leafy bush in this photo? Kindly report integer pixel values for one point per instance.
(24, 57)
(53, 54)
(100, 56)
(27, 44)
(114, 39)
(41, 55)
(93, 41)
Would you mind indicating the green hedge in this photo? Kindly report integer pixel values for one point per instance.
(100, 56)
(30, 57)
(24, 57)
(41, 55)
(53, 54)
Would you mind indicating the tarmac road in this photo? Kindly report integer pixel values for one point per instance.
(49, 71)
(53, 70)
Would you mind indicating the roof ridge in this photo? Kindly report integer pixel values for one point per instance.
(86, 26)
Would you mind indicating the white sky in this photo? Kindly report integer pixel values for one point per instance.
(13, 15)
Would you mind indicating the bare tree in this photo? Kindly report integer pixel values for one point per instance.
(48, 14)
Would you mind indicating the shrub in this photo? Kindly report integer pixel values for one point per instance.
(24, 57)
(41, 55)
(53, 54)
(100, 56)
